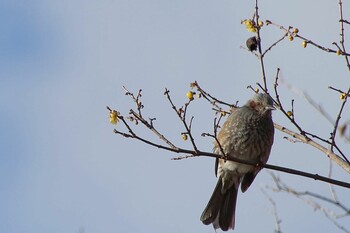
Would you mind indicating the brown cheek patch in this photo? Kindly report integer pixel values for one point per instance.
(252, 104)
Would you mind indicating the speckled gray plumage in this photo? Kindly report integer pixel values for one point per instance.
(246, 134)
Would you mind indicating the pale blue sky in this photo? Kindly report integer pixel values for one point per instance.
(62, 62)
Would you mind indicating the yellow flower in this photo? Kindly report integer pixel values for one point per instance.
(261, 23)
(184, 137)
(113, 117)
(338, 52)
(342, 96)
(304, 44)
(223, 113)
(296, 30)
(250, 25)
(290, 38)
(190, 94)
(290, 113)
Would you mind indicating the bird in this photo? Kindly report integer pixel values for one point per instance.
(247, 134)
(252, 43)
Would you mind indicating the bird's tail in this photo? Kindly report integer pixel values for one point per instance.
(221, 207)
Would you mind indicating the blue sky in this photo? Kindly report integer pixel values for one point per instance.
(62, 62)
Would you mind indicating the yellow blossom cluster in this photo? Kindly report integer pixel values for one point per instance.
(250, 25)
(190, 95)
(304, 44)
(343, 96)
(113, 117)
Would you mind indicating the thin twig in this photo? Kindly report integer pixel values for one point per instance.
(274, 44)
(261, 57)
(274, 206)
(330, 215)
(331, 187)
(182, 118)
(333, 135)
(151, 127)
(308, 98)
(342, 34)
(136, 99)
(280, 105)
(338, 90)
(308, 41)
(338, 160)
(282, 186)
(318, 107)
(304, 134)
(215, 136)
(216, 126)
(211, 99)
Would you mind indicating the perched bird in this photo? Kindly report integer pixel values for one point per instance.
(252, 43)
(247, 134)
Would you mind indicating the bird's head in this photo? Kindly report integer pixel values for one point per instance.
(262, 103)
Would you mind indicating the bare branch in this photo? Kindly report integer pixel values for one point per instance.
(344, 163)
(216, 126)
(330, 215)
(308, 41)
(308, 98)
(331, 187)
(182, 118)
(261, 56)
(274, 206)
(342, 34)
(333, 135)
(344, 21)
(211, 99)
(280, 105)
(274, 44)
(196, 153)
(338, 160)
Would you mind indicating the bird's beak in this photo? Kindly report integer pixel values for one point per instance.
(270, 108)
